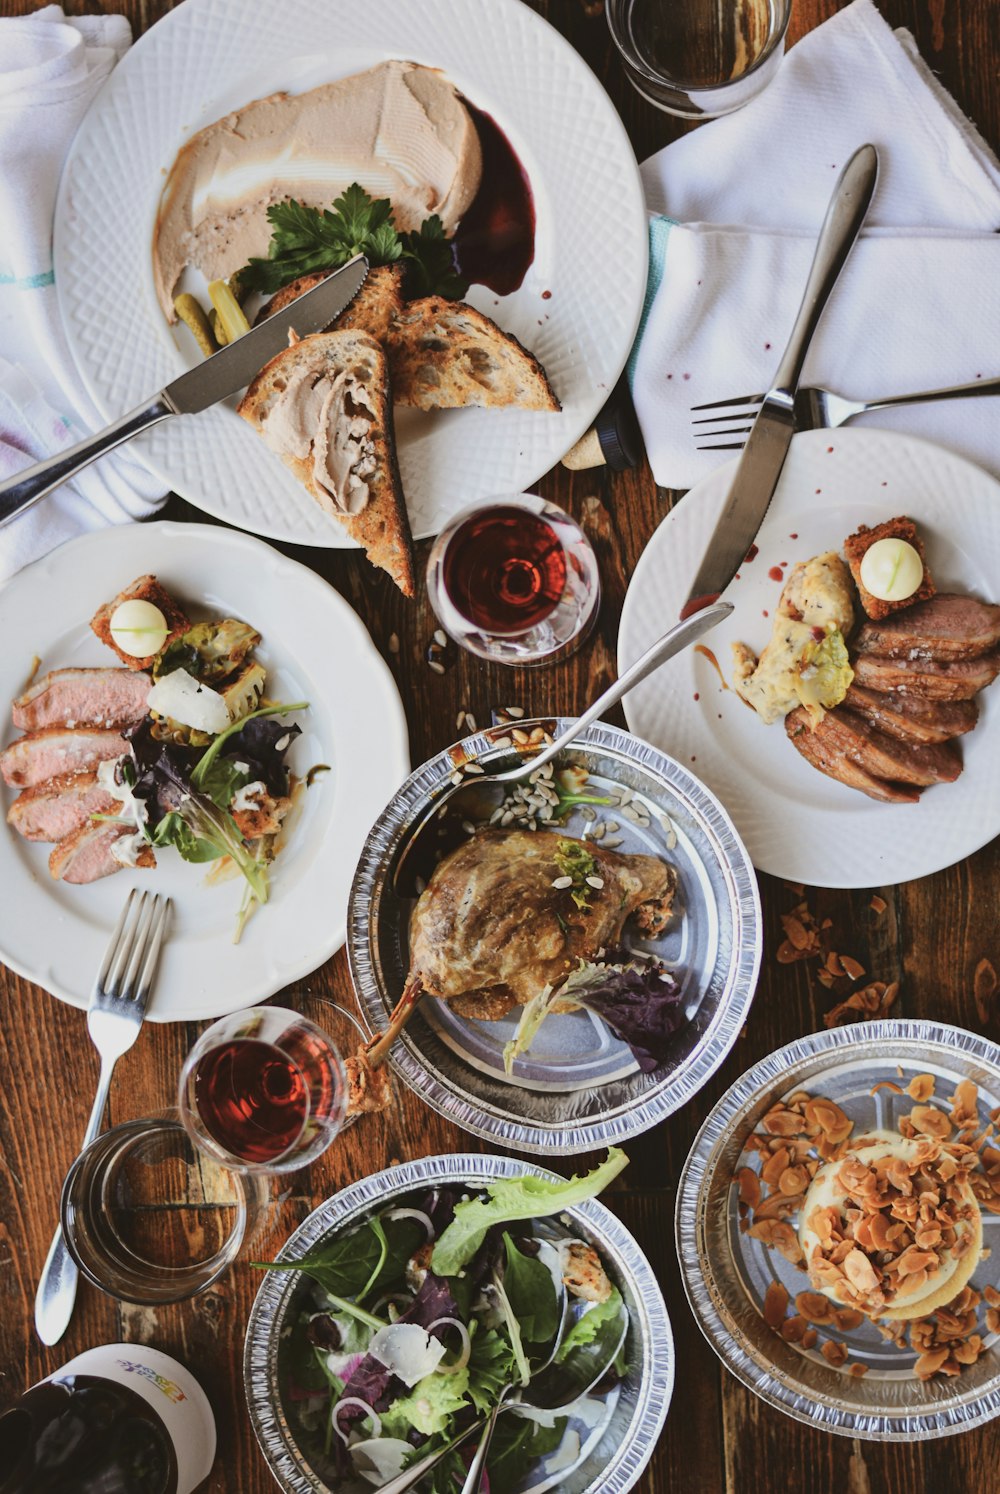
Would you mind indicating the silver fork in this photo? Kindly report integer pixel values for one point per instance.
(815, 409)
(117, 1006)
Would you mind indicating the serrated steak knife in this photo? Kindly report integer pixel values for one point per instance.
(764, 455)
(224, 373)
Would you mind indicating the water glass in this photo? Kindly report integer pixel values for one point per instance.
(699, 58)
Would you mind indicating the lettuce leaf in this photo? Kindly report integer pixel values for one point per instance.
(825, 674)
(510, 1199)
(429, 1407)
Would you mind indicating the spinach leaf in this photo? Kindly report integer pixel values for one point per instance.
(365, 1260)
(222, 779)
(517, 1444)
(531, 1293)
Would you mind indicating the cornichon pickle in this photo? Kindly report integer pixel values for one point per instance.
(192, 315)
(231, 318)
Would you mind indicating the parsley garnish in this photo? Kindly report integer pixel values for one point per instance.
(305, 239)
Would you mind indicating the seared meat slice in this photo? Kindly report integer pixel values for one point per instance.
(490, 929)
(825, 750)
(888, 758)
(50, 811)
(910, 718)
(82, 697)
(57, 751)
(959, 679)
(88, 853)
(946, 627)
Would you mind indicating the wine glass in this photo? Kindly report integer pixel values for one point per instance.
(514, 580)
(264, 1090)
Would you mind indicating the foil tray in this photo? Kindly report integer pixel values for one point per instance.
(726, 1273)
(637, 1408)
(579, 1088)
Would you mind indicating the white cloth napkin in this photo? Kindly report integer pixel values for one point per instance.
(735, 209)
(50, 69)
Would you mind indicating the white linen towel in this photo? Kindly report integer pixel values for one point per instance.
(735, 209)
(50, 69)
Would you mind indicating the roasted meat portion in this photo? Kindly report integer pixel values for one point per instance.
(57, 750)
(54, 809)
(845, 738)
(910, 718)
(88, 853)
(82, 697)
(956, 679)
(497, 922)
(948, 626)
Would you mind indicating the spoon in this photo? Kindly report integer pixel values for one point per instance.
(679, 636)
(552, 1388)
(558, 1386)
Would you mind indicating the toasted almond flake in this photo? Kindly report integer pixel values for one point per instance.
(834, 1353)
(921, 1087)
(793, 1329)
(878, 904)
(815, 1307)
(775, 1304)
(857, 1370)
(852, 967)
(809, 1338)
(749, 1186)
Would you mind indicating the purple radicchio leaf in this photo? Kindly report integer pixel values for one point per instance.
(638, 999)
(262, 744)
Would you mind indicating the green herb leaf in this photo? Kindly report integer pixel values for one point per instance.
(510, 1199)
(370, 1258)
(431, 269)
(174, 830)
(574, 860)
(221, 781)
(591, 1339)
(531, 1293)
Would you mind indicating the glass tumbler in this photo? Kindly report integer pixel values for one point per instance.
(149, 1219)
(514, 580)
(699, 58)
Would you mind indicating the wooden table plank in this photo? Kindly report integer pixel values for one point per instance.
(936, 935)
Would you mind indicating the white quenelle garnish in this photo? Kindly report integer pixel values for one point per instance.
(891, 569)
(408, 1350)
(138, 628)
(183, 698)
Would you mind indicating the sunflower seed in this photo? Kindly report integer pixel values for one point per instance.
(440, 637)
(437, 667)
(612, 825)
(598, 831)
(596, 882)
(456, 778)
(611, 842)
(625, 796)
(588, 812)
(501, 743)
(506, 818)
(470, 721)
(394, 643)
(514, 712)
(561, 883)
(468, 827)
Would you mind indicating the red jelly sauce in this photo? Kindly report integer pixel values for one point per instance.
(495, 241)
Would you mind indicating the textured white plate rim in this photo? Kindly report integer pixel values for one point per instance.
(654, 1392)
(597, 338)
(141, 542)
(883, 846)
(769, 1072)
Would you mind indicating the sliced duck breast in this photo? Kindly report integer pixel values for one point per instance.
(88, 853)
(52, 810)
(83, 697)
(947, 626)
(56, 751)
(958, 679)
(910, 718)
(823, 749)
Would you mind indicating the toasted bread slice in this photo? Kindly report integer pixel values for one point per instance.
(144, 589)
(445, 354)
(323, 406)
(855, 546)
(372, 309)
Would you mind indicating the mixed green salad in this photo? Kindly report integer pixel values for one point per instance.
(417, 1318)
(205, 769)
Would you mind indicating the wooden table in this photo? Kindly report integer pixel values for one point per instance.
(936, 936)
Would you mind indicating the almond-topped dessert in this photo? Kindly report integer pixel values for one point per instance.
(887, 1224)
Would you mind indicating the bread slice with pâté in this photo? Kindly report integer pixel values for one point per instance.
(372, 310)
(323, 405)
(445, 354)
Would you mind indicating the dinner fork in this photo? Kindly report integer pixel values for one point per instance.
(117, 1006)
(816, 409)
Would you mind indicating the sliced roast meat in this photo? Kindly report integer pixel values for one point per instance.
(87, 854)
(51, 811)
(959, 679)
(83, 697)
(945, 627)
(910, 718)
(57, 751)
(824, 750)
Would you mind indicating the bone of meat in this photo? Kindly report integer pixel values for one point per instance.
(87, 855)
(824, 750)
(948, 626)
(910, 718)
(51, 811)
(82, 697)
(56, 751)
(958, 679)
(490, 930)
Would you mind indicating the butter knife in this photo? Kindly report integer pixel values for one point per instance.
(771, 434)
(224, 373)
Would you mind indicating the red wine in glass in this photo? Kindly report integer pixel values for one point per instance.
(514, 581)
(252, 1099)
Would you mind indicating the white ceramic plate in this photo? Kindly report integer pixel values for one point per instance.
(796, 822)
(314, 648)
(209, 56)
